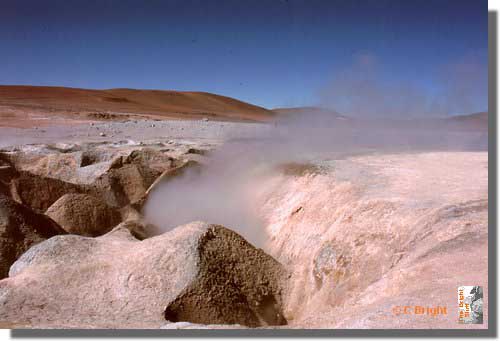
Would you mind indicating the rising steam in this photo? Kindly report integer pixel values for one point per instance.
(368, 89)
(223, 192)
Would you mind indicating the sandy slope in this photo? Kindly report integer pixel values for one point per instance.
(26, 106)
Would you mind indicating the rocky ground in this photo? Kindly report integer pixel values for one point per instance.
(348, 236)
(136, 130)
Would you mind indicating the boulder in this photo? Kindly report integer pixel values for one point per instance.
(126, 184)
(40, 192)
(47, 162)
(197, 273)
(84, 214)
(98, 162)
(197, 151)
(130, 176)
(154, 159)
(119, 175)
(20, 228)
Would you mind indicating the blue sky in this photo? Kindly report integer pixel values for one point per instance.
(271, 53)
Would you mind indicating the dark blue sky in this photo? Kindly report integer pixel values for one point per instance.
(271, 53)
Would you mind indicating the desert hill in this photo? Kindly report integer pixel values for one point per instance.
(116, 103)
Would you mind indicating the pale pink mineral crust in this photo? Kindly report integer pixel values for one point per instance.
(378, 233)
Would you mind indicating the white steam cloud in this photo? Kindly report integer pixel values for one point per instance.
(223, 190)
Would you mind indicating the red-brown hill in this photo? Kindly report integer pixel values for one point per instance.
(122, 102)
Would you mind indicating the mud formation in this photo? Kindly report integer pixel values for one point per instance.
(197, 273)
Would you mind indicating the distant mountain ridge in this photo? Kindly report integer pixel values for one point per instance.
(476, 121)
(307, 110)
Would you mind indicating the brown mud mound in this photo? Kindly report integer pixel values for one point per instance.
(245, 296)
(21, 228)
(196, 272)
(84, 214)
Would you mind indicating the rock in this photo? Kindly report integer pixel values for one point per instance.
(136, 228)
(89, 174)
(196, 151)
(102, 134)
(40, 192)
(236, 284)
(4, 189)
(119, 175)
(95, 156)
(84, 214)
(148, 157)
(47, 163)
(197, 273)
(130, 176)
(125, 184)
(7, 173)
(21, 228)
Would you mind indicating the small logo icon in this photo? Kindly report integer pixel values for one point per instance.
(470, 304)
